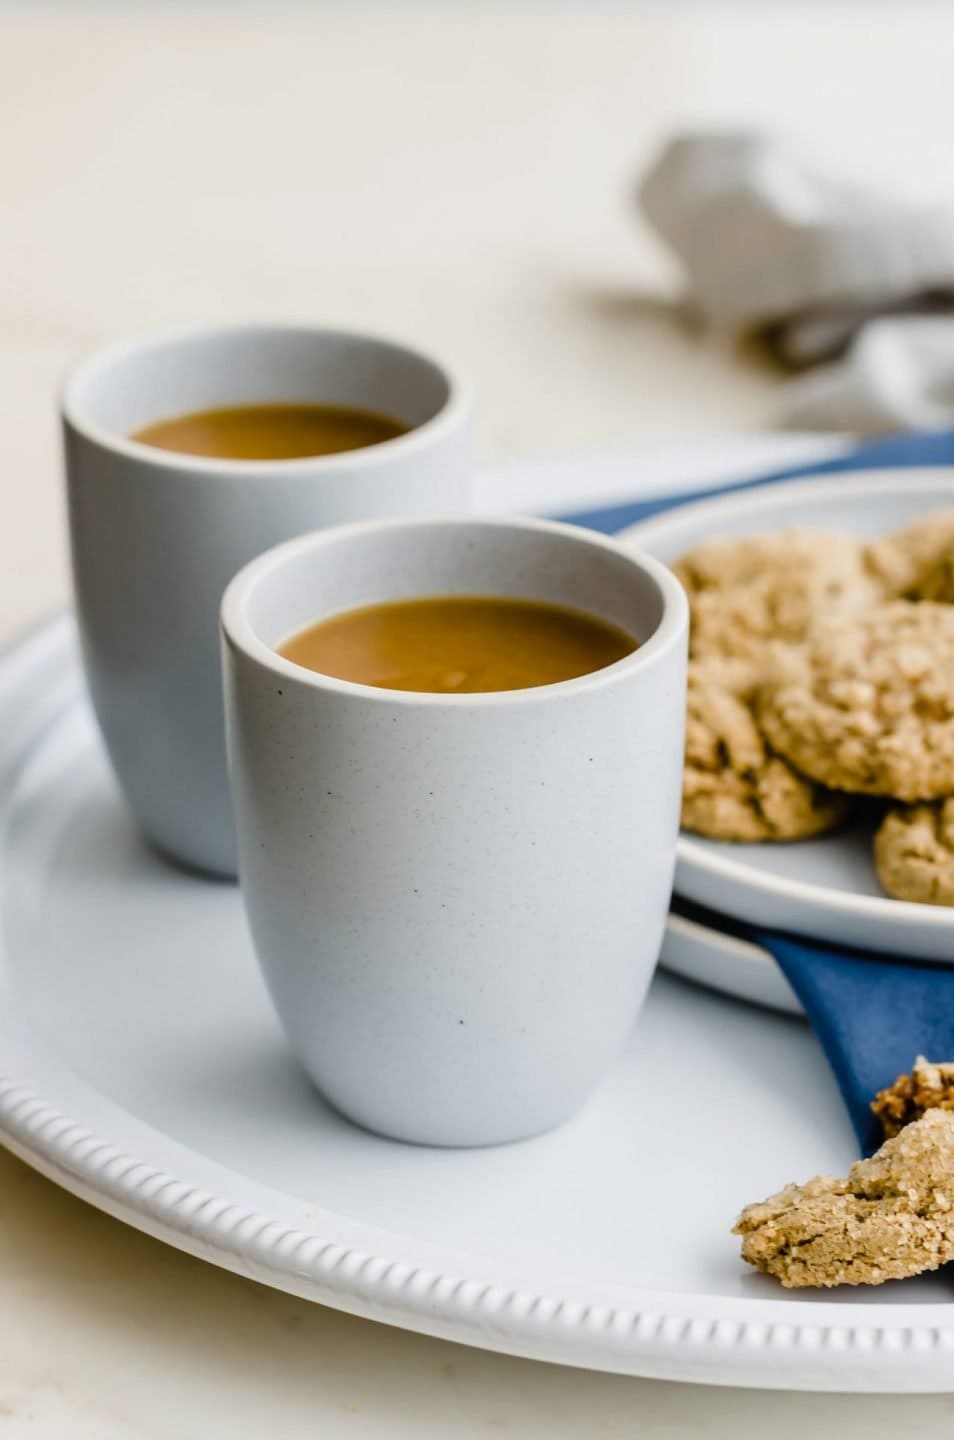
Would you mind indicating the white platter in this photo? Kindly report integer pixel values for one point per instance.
(825, 887)
(143, 1069)
(725, 962)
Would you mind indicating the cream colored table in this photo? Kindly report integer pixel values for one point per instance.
(461, 174)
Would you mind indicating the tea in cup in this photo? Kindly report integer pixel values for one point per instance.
(456, 892)
(308, 427)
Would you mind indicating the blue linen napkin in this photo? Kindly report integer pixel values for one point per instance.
(872, 1015)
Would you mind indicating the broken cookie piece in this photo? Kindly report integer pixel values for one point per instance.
(928, 1087)
(892, 1217)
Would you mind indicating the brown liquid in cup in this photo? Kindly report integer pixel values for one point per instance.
(271, 432)
(457, 645)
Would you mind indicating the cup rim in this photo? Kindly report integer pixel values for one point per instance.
(238, 632)
(455, 409)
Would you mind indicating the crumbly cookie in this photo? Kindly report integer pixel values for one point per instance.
(928, 1087)
(734, 787)
(867, 704)
(916, 563)
(746, 592)
(892, 1217)
(937, 581)
(914, 853)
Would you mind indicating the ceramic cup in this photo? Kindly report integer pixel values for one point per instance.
(156, 536)
(457, 900)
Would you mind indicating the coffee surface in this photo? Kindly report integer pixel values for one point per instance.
(271, 432)
(458, 644)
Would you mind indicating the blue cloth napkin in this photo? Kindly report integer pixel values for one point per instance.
(873, 1015)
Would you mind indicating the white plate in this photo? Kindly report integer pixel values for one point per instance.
(727, 963)
(825, 887)
(142, 1068)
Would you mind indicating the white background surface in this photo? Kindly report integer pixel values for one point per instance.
(460, 174)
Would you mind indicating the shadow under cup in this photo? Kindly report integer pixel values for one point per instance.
(157, 535)
(457, 900)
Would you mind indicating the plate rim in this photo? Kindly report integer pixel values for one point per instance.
(728, 948)
(690, 851)
(815, 1344)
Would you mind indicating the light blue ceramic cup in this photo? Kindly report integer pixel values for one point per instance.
(457, 900)
(156, 536)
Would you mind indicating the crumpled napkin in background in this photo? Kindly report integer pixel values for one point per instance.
(829, 272)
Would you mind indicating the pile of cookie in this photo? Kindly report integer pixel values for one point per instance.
(891, 1217)
(822, 670)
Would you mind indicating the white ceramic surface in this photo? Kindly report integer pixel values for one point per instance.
(722, 961)
(142, 1068)
(457, 900)
(825, 887)
(156, 536)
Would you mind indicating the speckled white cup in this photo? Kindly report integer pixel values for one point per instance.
(457, 900)
(156, 536)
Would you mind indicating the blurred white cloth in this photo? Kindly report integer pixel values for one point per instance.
(825, 269)
(897, 375)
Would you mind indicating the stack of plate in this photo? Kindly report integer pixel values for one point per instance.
(824, 888)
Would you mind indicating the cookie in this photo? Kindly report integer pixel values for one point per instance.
(914, 853)
(928, 1087)
(734, 787)
(916, 563)
(893, 1215)
(937, 581)
(746, 592)
(867, 704)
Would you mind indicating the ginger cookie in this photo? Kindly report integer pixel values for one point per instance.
(734, 787)
(893, 1216)
(928, 1087)
(746, 592)
(937, 581)
(917, 562)
(867, 704)
(914, 852)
